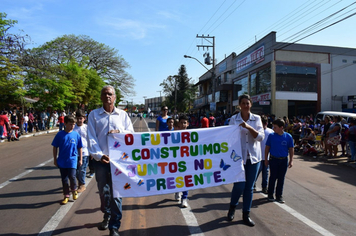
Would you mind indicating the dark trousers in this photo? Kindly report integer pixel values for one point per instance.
(110, 206)
(278, 169)
(91, 165)
(68, 176)
(245, 187)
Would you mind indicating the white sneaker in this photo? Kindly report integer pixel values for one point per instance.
(177, 196)
(184, 203)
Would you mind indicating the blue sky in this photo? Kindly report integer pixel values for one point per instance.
(153, 36)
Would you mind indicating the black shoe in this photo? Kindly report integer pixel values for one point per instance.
(280, 199)
(114, 232)
(270, 198)
(231, 213)
(104, 225)
(247, 220)
(264, 190)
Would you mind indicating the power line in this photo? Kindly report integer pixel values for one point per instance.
(221, 15)
(213, 15)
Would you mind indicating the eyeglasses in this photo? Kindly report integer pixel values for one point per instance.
(165, 109)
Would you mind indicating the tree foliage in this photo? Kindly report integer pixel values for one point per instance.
(180, 93)
(89, 54)
(68, 71)
(11, 78)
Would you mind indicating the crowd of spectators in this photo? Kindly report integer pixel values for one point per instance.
(14, 122)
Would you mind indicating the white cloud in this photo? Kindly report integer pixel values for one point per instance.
(24, 13)
(128, 28)
(169, 15)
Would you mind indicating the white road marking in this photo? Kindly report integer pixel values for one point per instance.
(23, 174)
(53, 223)
(191, 222)
(188, 215)
(302, 218)
(149, 130)
(134, 121)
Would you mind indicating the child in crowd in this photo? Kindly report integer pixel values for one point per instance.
(14, 133)
(183, 124)
(170, 123)
(70, 146)
(278, 145)
(81, 129)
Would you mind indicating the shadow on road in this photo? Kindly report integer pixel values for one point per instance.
(341, 170)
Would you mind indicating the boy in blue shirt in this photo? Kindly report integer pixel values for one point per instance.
(279, 144)
(70, 146)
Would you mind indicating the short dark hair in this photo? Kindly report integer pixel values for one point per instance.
(70, 119)
(264, 119)
(183, 117)
(80, 113)
(245, 96)
(169, 119)
(339, 118)
(279, 122)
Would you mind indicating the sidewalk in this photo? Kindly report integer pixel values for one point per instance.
(34, 134)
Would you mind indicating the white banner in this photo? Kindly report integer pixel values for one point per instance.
(153, 163)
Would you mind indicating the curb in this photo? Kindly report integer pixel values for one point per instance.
(39, 133)
(32, 135)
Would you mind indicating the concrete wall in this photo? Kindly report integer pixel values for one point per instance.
(306, 57)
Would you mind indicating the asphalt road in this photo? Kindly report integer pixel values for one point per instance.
(320, 200)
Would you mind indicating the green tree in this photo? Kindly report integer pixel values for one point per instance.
(11, 77)
(180, 92)
(89, 54)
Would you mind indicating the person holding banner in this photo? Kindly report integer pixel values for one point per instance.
(101, 123)
(252, 134)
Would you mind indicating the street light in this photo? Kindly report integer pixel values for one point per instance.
(212, 74)
(186, 56)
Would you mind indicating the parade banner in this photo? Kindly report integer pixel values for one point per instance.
(153, 163)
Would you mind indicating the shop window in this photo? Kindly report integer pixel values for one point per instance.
(296, 78)
(260, 82)
(219, 80)
(263, 81)
(240, 87)
(253, 84)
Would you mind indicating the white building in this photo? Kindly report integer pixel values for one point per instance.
(283, 79)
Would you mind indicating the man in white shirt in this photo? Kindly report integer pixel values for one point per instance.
(101, 122)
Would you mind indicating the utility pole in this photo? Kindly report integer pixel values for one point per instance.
(211, 44)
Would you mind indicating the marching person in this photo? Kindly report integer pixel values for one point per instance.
(251, 133)
(103, 121)
(279, 144)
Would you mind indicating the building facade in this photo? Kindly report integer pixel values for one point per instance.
(284, 79)
(154, 104)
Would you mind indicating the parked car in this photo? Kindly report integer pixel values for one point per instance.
(346, 115)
